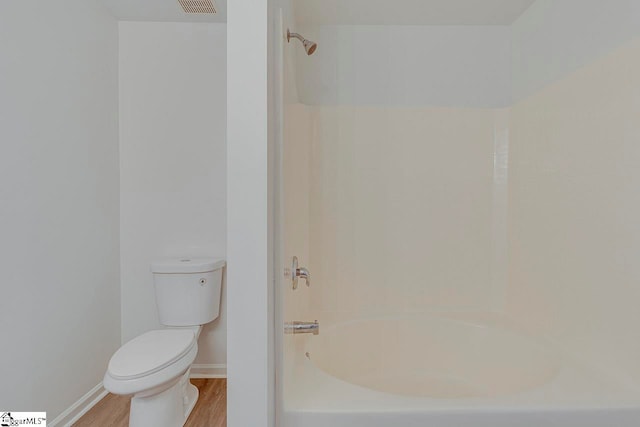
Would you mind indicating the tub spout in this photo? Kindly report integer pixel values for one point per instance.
(302, 328)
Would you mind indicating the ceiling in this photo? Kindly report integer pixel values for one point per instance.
(409, 12)
(344, 12)
(161, 10)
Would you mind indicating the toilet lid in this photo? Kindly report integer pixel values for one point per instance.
(151, 352)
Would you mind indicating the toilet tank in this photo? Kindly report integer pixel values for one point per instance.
(187, 290)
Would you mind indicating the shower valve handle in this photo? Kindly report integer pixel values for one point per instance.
(299, 272)
(304, 273)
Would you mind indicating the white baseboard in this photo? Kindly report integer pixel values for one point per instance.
(210, 370)
(81, 407)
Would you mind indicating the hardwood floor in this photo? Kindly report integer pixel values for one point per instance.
(210, 410)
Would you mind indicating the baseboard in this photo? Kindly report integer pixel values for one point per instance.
(81, 407)
(211, 370)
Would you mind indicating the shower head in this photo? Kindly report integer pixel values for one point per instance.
(309, 46)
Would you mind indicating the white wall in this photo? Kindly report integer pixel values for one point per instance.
(556, 37)
(251, 366)
(59, 237)
(444, 66)
(461, 66)
(172, 160)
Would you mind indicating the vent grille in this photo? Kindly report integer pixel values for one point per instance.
(198, 6)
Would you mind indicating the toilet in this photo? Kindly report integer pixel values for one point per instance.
(154, 367)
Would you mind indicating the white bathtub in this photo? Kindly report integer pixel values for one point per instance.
(447, 370)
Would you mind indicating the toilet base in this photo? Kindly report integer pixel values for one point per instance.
(169, 407)
(192, 395)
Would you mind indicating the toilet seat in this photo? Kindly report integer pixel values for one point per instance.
(150, 360)
(150, 353)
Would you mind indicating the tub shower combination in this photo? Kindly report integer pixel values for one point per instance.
(473, 258)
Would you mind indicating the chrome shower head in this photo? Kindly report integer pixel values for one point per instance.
(309, 46)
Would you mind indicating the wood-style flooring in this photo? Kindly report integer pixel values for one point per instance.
(210, 410)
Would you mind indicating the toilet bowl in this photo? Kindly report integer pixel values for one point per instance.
(154, 367)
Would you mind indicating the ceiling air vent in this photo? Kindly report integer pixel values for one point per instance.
(198, 6)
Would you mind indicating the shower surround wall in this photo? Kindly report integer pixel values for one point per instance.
(403, 179)
(401, 209)
(407, 160)
(574, 237)
(574, 231)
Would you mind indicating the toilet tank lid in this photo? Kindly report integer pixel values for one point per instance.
(186, 265)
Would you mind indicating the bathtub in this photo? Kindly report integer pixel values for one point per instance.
(447, 370)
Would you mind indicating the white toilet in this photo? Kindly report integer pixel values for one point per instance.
(155, 366)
